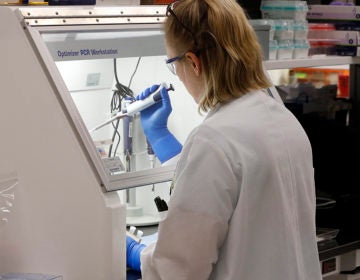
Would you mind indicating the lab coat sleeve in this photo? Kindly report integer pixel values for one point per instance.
(205, 194)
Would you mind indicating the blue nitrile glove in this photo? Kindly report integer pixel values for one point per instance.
(154, 123)
(133, 250)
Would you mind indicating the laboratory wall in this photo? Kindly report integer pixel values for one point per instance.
(92, 84)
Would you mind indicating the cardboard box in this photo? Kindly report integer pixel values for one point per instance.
(329, 12)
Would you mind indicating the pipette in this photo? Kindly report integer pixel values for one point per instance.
(137, 106)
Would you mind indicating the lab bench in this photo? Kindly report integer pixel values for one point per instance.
(332, 248)
(339, 255)
(329, 252)
(327, 248)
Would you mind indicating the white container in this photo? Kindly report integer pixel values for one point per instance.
(285, 49)
(269, 22)
(284, 29)
(273, 49)
(270, 9)
(301, 30)
(296, 10)
(301, 49)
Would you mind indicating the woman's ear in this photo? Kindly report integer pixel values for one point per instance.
(194, 62)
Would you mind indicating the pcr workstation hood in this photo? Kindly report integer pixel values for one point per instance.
(64, 71)
(67, 173)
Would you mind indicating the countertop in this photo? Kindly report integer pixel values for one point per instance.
(327, 249)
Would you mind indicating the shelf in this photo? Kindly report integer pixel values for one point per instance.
(332, 248)
(311, 62)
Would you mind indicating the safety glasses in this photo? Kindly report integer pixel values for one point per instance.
(170, 63)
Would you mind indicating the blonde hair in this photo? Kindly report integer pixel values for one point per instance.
(219, 33)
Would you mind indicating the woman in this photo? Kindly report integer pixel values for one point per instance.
(243, 205)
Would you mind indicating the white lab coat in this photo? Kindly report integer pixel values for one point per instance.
(243, 206)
